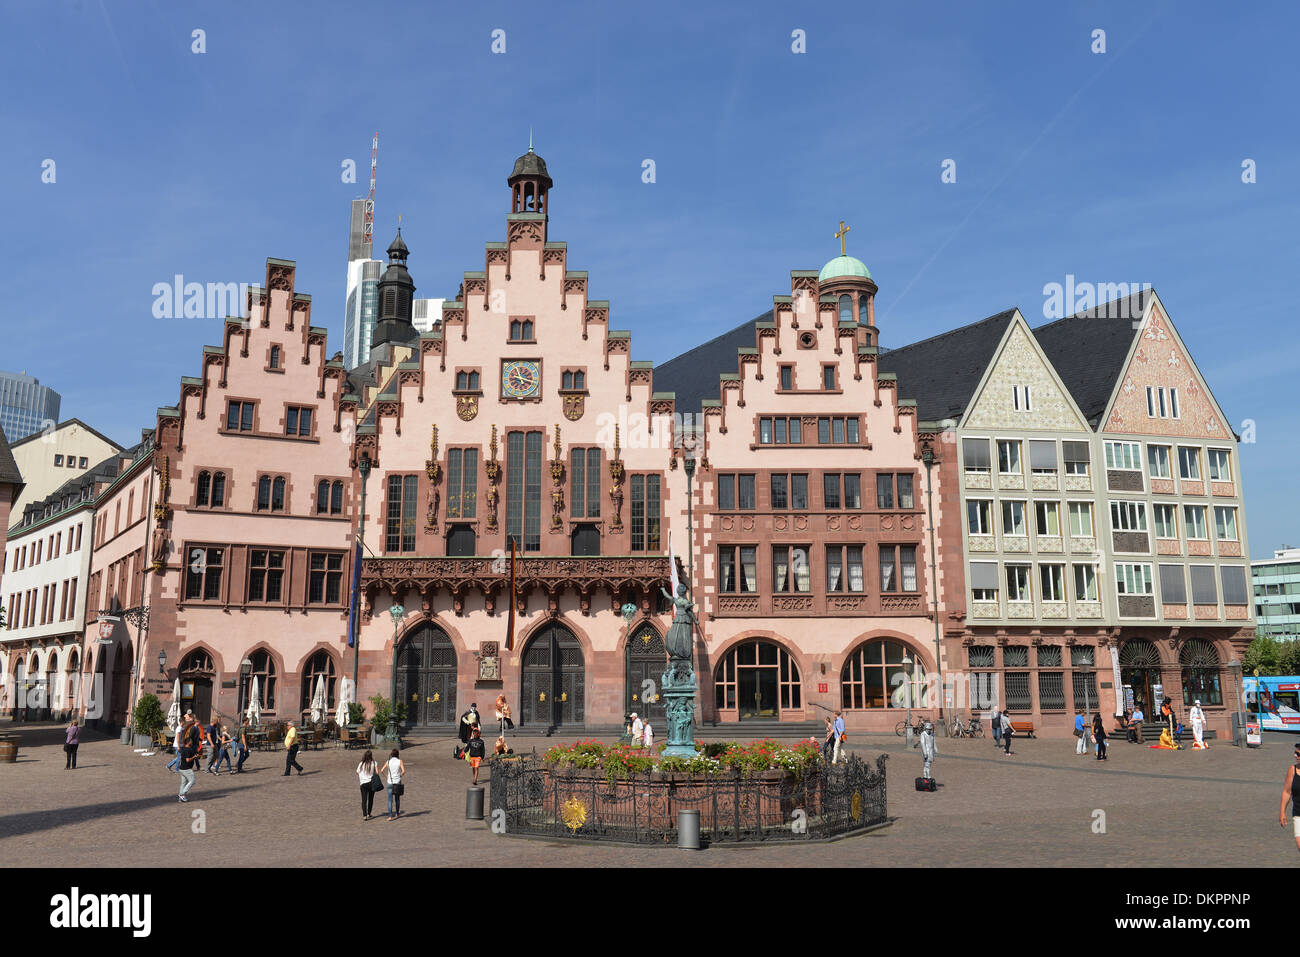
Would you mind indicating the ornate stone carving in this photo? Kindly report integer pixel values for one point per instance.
(557, 493)
(493, 470)
(524, 232)
(616, 473)
(467, 407)
(574, 405)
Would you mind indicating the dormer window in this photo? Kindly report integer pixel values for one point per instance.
(521, 330)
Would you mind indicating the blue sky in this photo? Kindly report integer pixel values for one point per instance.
(1123, 166)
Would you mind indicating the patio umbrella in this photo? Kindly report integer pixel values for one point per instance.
(317, 701)
(341, 713)
(174, 712)
(254, 711)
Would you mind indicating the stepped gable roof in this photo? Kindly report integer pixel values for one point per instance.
(694, 375)
(67, 422)
(941, 372)
(9, 473)
(1089, 349)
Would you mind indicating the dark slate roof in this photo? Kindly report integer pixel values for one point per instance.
(80, 487)
(1088, 351)
(36, 435)
(941, 372)
(694, 375)
(9, 474)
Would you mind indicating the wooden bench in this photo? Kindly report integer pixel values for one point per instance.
(1025, 728)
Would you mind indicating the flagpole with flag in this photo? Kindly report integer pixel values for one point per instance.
(510, 621)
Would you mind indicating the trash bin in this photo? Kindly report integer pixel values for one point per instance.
(126, 735)
(688, 830)
(474, 803)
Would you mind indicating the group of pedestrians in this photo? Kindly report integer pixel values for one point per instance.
(1093, 734)
(835, 738)
(371, 783)
(1000, 721)
(641, 733)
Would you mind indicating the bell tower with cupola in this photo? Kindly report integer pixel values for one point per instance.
(396, 294)
(529, 185)
(847, 279)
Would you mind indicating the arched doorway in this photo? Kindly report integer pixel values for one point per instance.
(874, 676)
(1139, 668)
(426, 677)
(1199, 662)
(646, 660)
(20, 692)
(124, 659)
(72, 695)
(554, 679)
(196, 673)
(758, 680)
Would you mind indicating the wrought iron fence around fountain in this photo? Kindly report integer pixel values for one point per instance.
(527, 797)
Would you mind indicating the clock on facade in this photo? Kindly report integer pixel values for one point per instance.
(520, 378)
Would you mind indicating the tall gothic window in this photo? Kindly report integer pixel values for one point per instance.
(584, 478)
(402, 504)
(524, 490)
(218, 489)
(645, 513)
(462, 483)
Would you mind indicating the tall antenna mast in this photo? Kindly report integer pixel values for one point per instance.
(368, 234)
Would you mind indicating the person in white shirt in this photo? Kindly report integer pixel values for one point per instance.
(1198, 725)
(649, 735)
(928, 749)
(395, 770)
(638, 729)
(365, 771)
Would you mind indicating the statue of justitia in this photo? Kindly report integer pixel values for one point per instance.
(681, 634)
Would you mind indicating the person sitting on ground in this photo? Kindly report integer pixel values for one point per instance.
(502, 748)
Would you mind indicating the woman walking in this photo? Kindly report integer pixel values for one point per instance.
(70, 742)
(1291, 792)
(366, 772)
(395, 771)
(1099, 735)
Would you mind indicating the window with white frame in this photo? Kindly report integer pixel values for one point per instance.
(1042, 456)
(979, 517)
(1158, 461)
(1081, 519)
(975, 455)
(984, 581)
(1013, 518)
(1128, 516)
(1166, 519)
(1132, 578)
(1194, 522)
(1076, 457)
(1051, 580)
(1085, 583)
(1162, 403)
(1189, 463)
(1225, 523)
(1047, 518)
(1020, 398)
(1124, 456)
(1220, 469)
(1009, 457)
(1018, 583)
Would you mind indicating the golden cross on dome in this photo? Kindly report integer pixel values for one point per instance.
(840, 234)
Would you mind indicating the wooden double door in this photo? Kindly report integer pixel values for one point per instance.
(426, 677)
(554, 680)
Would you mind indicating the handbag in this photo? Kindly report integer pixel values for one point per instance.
(1078, 733)
(376, 782)
(399, 789)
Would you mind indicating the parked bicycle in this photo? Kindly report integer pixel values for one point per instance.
(900, 729)
(971, 729)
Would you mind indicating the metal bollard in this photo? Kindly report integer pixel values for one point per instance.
(688, 830)
(474, 804)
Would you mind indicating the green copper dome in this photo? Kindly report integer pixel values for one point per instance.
(842, 266)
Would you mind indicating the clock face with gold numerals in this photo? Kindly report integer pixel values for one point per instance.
(520, 378)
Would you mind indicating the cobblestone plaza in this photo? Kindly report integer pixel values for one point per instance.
(1037, 807)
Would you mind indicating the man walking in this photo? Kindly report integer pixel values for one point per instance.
(1006, 731)
(1080, 732)
(291, 744)
(838, 728)
(190, 751)
(996, 721)
(1135, 724)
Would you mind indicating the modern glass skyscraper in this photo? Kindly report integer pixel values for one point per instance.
(1277, 593)
(362, 296)
(26, 405)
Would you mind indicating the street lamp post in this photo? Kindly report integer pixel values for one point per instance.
(245, 669)
(364, 468)
(398, 613)
(907, 673)
(927, 456)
